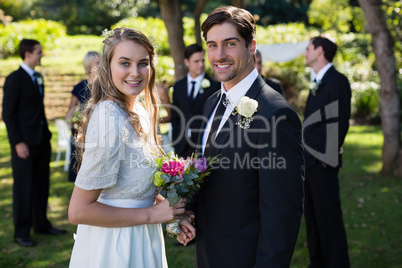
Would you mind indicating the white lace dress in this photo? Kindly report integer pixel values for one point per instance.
(117, 161)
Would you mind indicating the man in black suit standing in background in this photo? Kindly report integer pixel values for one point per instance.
(189, 96)
(29, 136)
(248, 212)
(325, 126)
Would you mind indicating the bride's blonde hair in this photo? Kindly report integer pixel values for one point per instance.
(103, 88)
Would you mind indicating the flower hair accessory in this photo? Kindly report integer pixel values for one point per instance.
(107, 33)
(152, 40)
(246, 108)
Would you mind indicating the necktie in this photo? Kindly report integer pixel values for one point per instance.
(192, 91)
(38, 77)
(215, 125)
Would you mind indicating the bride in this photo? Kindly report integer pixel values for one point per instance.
(115, 202)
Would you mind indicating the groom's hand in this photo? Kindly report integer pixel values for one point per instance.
(187, 230)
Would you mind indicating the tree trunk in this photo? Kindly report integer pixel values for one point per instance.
(172, 17)
(239, 3)
(389, 101)
(199, 7)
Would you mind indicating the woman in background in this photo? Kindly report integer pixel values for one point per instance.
(80, 95)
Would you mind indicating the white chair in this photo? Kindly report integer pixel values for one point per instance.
(63, 134)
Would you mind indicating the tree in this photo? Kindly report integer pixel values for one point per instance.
(172, 16)
(389, 101)
(199, 7)
(238, 3)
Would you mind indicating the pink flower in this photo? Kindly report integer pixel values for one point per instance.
(174, 168)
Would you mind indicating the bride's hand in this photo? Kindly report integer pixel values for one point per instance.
(163, 212)
(159, 198)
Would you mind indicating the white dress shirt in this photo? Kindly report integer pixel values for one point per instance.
(197, 80)
(322, 72)
(233, 95)
(29, 70)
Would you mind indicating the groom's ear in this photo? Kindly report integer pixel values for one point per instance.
(252, 48)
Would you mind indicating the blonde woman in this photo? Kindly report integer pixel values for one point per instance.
(80, 95)
(114, 202)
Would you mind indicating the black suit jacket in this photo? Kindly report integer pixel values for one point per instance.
(23, 110)
(333, 89)
(248, 212)
(274, 84)
(184, 114)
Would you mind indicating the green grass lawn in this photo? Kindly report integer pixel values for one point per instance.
(371, 204)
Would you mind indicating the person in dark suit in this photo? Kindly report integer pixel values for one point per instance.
(189, 96)
(323, 139)
(274, 83)
(29, 136)
(248, 212)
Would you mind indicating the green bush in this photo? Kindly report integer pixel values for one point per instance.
(46, 32)
(365, 99)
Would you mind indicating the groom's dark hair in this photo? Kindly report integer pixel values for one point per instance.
(329, 47)
(27, 45)
(191, 49)
(240, 18)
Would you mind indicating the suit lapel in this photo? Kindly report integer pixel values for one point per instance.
(28, 80)
(210, 105)
(183, 95)
(325, 77)
(230, 124)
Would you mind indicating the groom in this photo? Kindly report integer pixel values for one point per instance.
(248, 212)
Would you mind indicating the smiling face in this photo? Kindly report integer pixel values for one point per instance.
(130, 69)
(230, 59)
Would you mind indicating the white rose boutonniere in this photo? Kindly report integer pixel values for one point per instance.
(314, 86)
(246, 108)
(39, 80)
(204, 84)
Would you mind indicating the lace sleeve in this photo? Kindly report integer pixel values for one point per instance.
(101, 160)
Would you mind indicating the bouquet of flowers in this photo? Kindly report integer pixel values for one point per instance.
(76, 120)
(179, 178)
